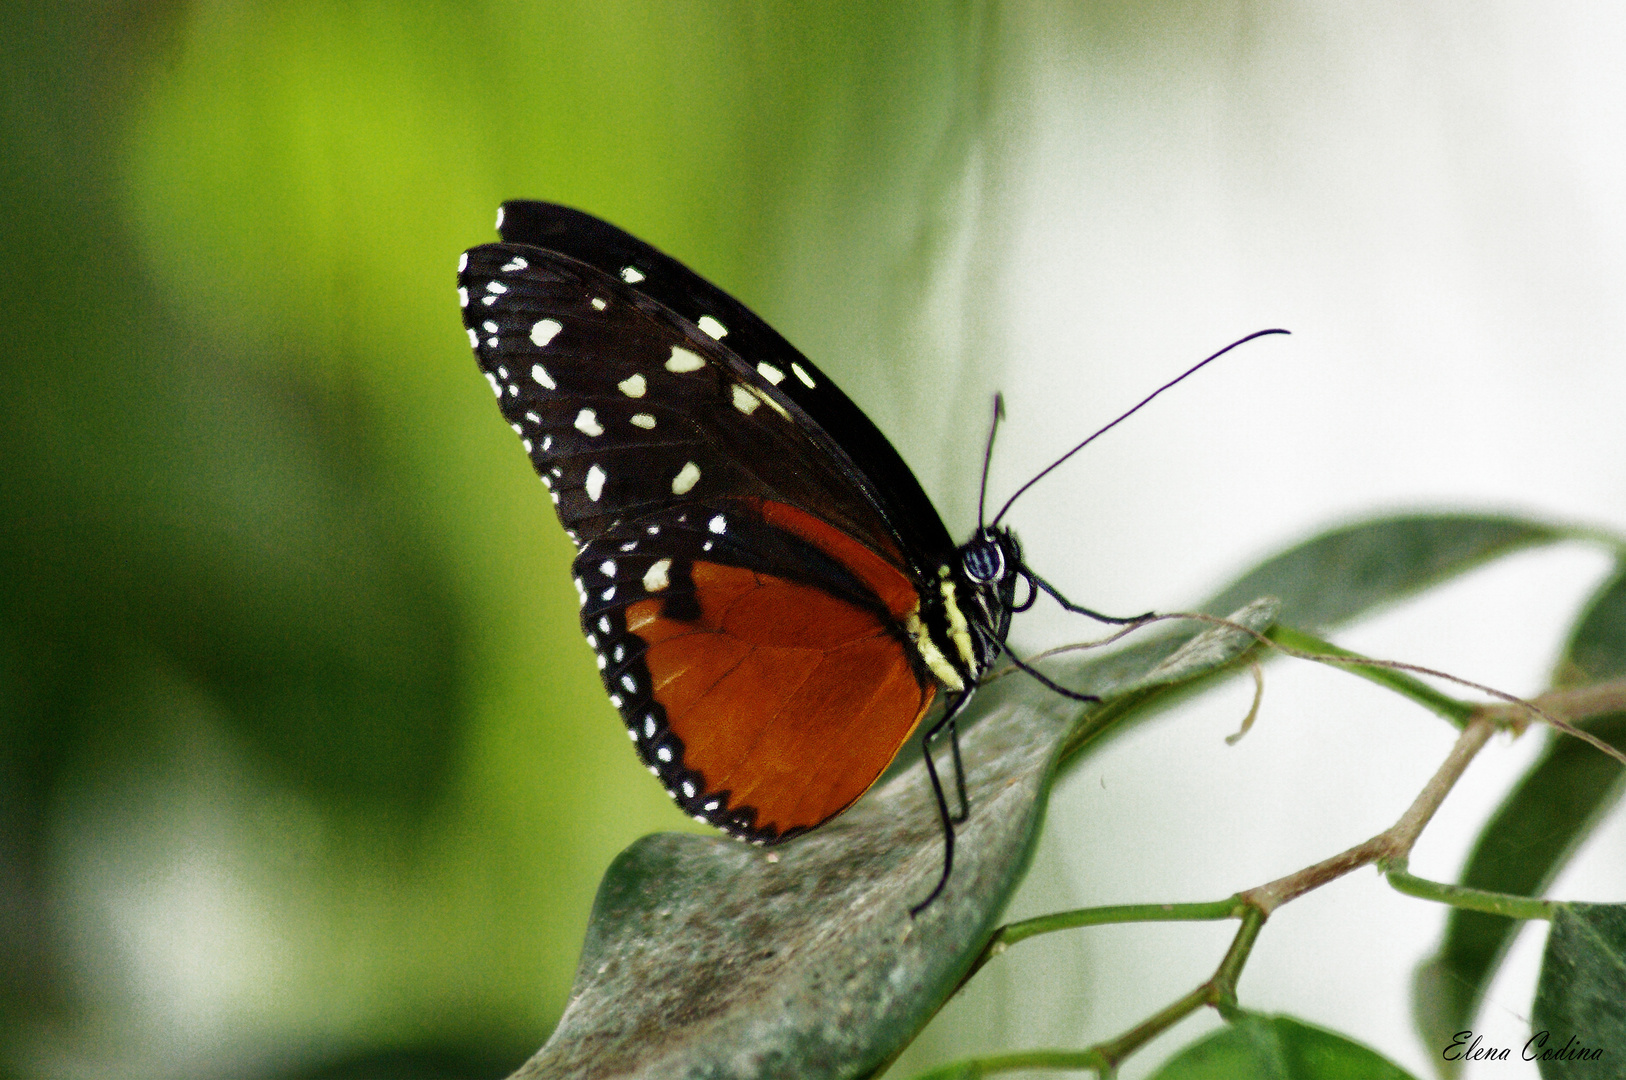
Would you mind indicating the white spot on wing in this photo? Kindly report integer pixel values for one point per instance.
(595, 482)
(498, 226)
(771, 373)
(496, 287)
(462, 297)
(496, 387)
(656, 577)
(686, 479)
(631, 275)
(587, 423)
(744, 400)
(643, 420)
(607, 568)
(683, 360)
(632, 386)
(718, 525)
(516, 263)
(462, 262)
(807, 380)
(598, 305)
(474, 338)
(712, 327)
(664, 753)
(543, 331)
(543, 379)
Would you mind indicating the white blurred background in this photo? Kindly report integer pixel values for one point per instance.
(1430, 196)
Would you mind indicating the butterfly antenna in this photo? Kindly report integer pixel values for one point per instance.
(988, 454)
(1126, 415)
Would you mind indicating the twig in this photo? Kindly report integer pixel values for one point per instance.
(1394, 842)
(1389, 849)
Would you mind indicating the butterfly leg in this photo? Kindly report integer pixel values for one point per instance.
(1079, 609)
(948, 820)
(1038, 676)
(964, 812)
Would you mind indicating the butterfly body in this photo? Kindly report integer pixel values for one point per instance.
(774, 603)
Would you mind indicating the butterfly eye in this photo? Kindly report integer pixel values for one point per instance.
(983, 560)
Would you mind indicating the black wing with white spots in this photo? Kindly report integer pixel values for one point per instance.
(890, 486)
(626, 408)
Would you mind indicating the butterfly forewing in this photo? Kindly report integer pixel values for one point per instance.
(628, 408)
(890, 487)
(741, 586)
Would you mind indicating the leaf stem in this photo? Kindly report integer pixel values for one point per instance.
(1460, 896)
(1011, 933)
(1453, 709)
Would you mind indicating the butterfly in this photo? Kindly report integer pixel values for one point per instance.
(774, 602)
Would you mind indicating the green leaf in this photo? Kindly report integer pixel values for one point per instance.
(1579, 1018)
(708, 958)
(1532, 835)
(1260, 1047)
(1597, 646)
(1348, 571)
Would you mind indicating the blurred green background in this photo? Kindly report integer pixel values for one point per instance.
(304, 768)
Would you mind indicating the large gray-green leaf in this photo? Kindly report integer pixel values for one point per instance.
(1257, 1047)
(1532, 835)
(706, 958)
(1346, 572)
(1579, 1017)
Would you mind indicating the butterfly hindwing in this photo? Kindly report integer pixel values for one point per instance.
(753, 654)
